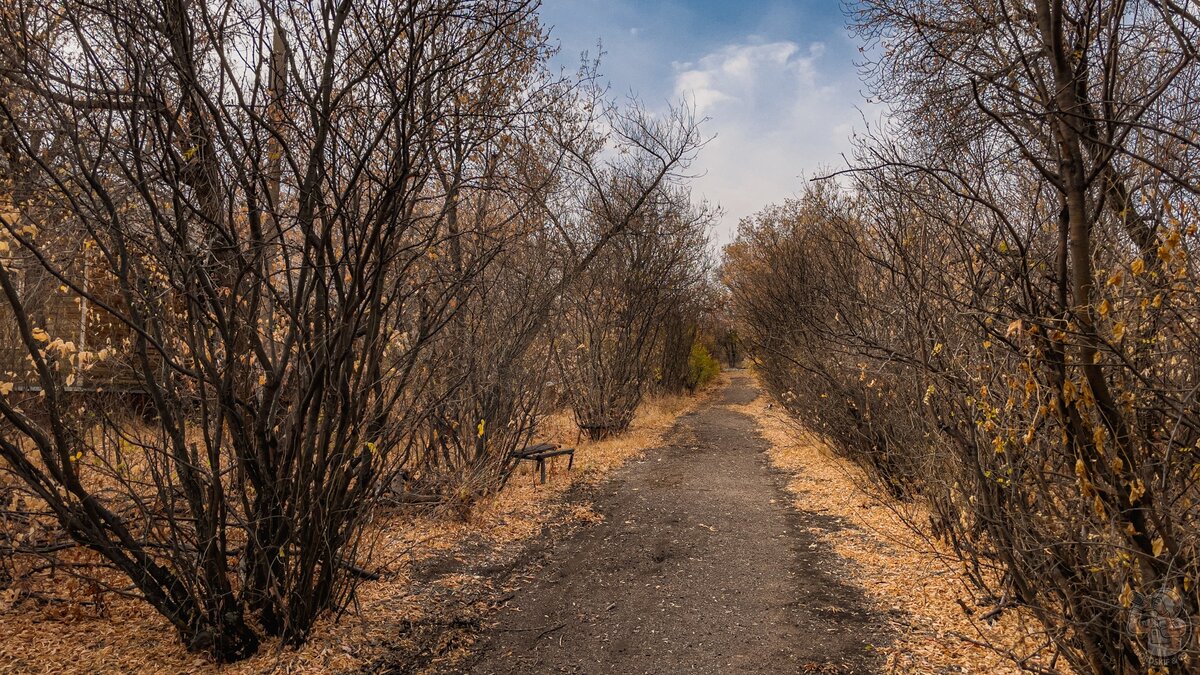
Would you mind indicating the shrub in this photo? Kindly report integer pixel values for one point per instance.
(702, 367)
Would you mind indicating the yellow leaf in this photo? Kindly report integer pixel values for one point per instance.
(1138, 266)
(482, 426)
(1136, 490)
(1119, 330)
(1126, 597)
(1158, 546)
(6, 388)
(1104, 307)
(40, 335)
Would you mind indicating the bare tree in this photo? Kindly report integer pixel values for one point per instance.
(1014, 342)
(604, 165)
(322, 243)
(615, 313)
(252, 180)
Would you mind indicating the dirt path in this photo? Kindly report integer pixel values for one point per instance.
(700, 565)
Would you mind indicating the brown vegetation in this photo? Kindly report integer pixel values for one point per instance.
(996, 311)
(391, 619)
(320, 249)
(942, 622)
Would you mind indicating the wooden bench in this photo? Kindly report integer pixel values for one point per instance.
(541, 452)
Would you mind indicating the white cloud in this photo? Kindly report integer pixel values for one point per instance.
(779, 113)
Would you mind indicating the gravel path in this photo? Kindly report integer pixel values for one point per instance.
(700, 565)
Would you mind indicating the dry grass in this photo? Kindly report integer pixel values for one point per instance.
(122, 634)
(910, 578)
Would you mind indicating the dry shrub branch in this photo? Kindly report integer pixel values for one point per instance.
(996, 309)
(267, 264)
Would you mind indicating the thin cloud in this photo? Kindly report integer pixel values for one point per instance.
(780, 112)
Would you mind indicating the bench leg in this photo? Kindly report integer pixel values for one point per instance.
(570, 461)
(542, 468)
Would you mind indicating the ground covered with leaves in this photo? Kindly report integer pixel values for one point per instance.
(450, 586)
(438, 575)
(942, 624)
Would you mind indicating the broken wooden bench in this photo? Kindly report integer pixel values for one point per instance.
(541, 452)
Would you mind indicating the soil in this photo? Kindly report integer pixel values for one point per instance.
(700, 564)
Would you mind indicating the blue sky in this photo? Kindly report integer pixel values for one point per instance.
(777, 80)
